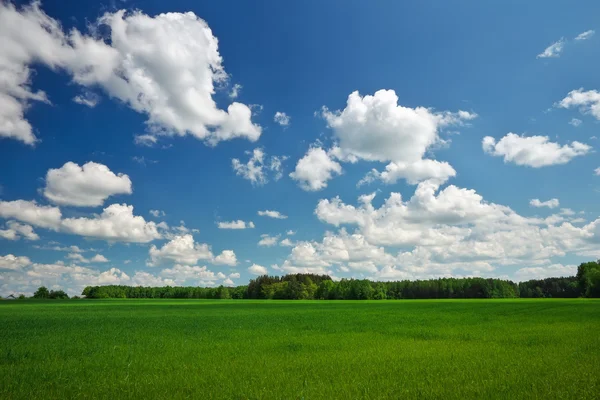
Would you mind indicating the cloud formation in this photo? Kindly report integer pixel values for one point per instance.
(533, 151)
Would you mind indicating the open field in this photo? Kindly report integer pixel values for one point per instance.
(202, 349)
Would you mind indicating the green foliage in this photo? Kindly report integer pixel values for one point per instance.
(254, 349)
(321, 287)
(41, 293)
(588, 276)
(551, 287)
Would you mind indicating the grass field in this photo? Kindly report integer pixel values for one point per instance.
(202, 349)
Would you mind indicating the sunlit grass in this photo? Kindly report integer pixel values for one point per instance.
(202, 349)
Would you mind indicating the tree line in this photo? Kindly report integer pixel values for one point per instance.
(321, 287)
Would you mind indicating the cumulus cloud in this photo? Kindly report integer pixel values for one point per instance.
(585, 35)
(182, 249)
(89, 185)
(597, 171)
(282, 118)
(550, 271)
(377, 128)
(552, 203)
(157, 213)
(588, 102)
(259, 167)
(235, 91)
(575, 122)
(145, 140)
(413, 173)
(272, 214)
(315, 169)
(455, 228)
(268, 240)
(15, 231)
(116, 223)
(286, 243)
(12, 262)
(78, 257)
(533, 151)
(227, 257)
(256, 269)
(87, 98)
(164, 66)
(31, 213)
(239, 224)
(553, 50)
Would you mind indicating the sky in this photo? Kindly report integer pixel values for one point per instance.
(206, 143)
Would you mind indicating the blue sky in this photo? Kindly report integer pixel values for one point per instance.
(479, 109)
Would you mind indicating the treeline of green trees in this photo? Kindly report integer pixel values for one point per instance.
(322, 287)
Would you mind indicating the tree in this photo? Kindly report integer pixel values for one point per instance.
(41, 293)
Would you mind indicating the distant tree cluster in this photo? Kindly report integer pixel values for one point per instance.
(44, 293)
(322, 287)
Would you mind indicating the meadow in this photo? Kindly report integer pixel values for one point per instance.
(244, 349)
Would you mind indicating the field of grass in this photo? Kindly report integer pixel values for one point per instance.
(202, 349)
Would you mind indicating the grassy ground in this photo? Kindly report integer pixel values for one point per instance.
(198, 349)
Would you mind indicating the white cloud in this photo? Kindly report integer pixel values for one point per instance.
(235, 91)
(77, 257)
(235, 275)
(30, 212)
(272, 214)
(89, 185)
(99, 258)
(164, 66)
(414, 173)
(116, 223)
(350, 251)
(181, 274)
(227, 257)
(553, 50)
(575, 122)
(157, 213)
(550, 271)
(16, 231)
(585, 35)
(256, 269)
(456, 229)
(552, 203)
(258, 167)
(588, 102)
(290, 232)
(268, 240)
(71, 249)
(145, 140)
(13, 262)
(533, 151)
(27, 35)
(286, 243)
(315, 169)
(239, 224)
(282, 118)
(87, 98)
(180, 250)
(377, 128)
(597, 171)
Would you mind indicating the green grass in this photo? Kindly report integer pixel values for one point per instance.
(202, 349)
